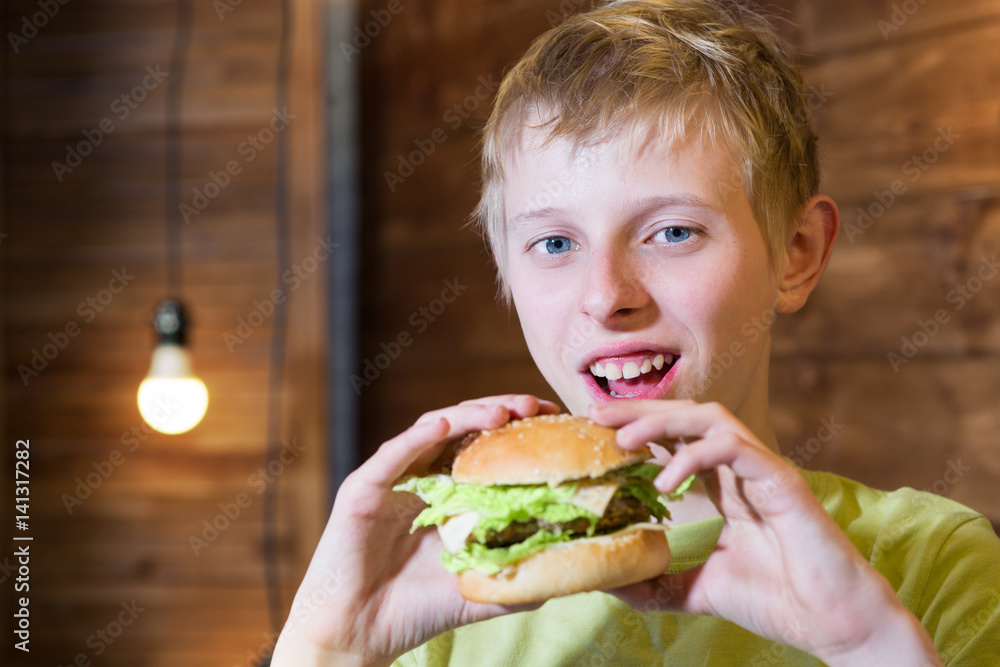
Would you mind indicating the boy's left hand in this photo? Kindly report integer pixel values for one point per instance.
(782, 568)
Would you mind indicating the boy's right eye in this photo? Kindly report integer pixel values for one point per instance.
(554, 245)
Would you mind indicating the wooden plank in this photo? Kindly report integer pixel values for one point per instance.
(896, 428)
(909, 95)
(130, 537)
(831, 29)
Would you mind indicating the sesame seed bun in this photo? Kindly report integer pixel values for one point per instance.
(546, 449)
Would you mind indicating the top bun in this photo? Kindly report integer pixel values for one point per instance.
(547, 449)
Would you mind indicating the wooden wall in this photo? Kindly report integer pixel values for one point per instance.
(879, 100)
(906, 102)
(884, 99)
(129, 539)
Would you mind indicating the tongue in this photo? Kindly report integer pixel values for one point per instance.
(638, 386)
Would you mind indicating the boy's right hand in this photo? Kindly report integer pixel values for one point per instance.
(373, 591)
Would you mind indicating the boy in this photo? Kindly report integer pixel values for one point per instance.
(650, 186)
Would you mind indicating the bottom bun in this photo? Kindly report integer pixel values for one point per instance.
(589, 564)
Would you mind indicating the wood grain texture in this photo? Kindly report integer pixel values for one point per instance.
(116, 507)
(883, 100)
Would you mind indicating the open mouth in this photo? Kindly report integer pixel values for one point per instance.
(633, 375)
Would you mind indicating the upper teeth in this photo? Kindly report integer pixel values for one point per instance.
(630, 369)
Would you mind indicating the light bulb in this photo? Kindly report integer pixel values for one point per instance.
(171, 398)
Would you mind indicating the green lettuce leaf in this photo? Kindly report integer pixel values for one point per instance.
(490, 561)
(499, 506)
(679, 492)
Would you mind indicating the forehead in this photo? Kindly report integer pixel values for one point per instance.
(541, 170)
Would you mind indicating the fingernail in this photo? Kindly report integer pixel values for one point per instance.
(661, 482)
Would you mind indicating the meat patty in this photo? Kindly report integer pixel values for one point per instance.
(623, 510)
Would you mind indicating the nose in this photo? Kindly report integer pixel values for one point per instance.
(614, 289)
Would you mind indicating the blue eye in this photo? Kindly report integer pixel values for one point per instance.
(674, 234)
(557, 245)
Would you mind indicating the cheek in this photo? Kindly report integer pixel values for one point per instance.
(546, 322)
(715, 300)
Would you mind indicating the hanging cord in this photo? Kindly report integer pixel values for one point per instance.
(279, 324)
(173, 154)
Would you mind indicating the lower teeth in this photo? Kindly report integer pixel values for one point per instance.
(612, 393)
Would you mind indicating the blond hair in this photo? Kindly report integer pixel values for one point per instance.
(669, 70)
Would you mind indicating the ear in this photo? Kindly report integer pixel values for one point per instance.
(808, 252)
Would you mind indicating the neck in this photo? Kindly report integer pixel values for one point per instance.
(754, 413)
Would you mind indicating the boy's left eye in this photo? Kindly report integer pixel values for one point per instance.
(673, 234)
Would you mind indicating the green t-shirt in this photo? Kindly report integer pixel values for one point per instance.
(942, 558)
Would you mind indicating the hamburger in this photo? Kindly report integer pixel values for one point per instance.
(543, 507)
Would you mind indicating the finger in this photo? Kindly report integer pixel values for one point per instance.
(748, 462)
(680, 421)
(619, 413)
(520, 405)
(395, 456)
(487, 402)
(465, 418)
(424, 441)
(666, 593)
(625, 415)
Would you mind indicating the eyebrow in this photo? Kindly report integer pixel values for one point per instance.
(643, 207)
